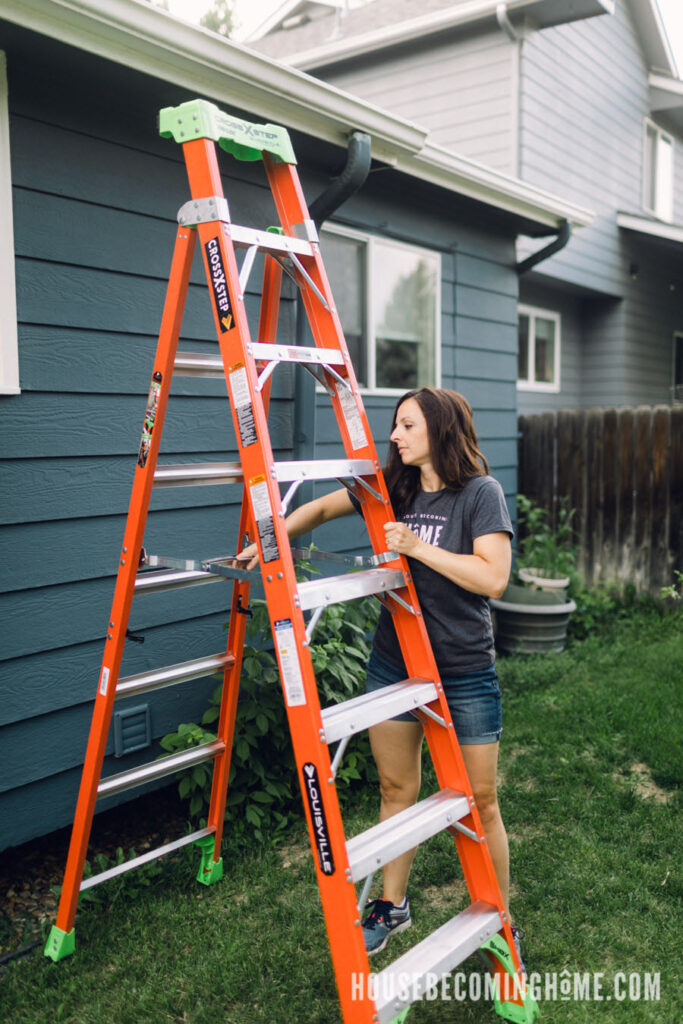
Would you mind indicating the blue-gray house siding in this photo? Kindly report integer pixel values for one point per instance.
(95, 196)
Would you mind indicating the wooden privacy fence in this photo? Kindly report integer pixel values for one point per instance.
(621, 470)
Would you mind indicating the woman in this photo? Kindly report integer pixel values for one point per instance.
(453, 525)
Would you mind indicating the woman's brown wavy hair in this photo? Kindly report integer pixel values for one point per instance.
(453, 446)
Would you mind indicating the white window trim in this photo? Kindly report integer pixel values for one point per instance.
(546, 314)
(370, 240)
(9, 344)
(675, 399)
(666, 216)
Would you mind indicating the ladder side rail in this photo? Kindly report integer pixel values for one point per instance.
(270, 303)
(311, 754)
(413, 639)
(128, 566)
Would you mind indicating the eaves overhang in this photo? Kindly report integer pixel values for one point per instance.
(656, 230)
(666, 97)
(539, 13)
(147, 39)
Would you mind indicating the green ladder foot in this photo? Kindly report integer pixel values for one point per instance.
(402, 1016)
(210, 870)
(511, 1012)
(60, 943)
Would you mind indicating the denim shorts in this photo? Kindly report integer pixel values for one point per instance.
(473, 698)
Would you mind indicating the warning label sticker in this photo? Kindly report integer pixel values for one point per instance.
(260, 501)
(241, 401)
(104, 682)
(290, 669)
(354, 423)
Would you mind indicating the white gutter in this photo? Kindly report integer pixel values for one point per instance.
(147, 39)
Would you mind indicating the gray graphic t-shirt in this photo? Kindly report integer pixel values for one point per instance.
(458, 621)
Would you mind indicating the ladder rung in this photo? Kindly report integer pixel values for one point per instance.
(198, 364)
(145, 858)
(191, 474)
(335, 589)
(295, 354)
(370, 850)
(269, 241)
(435, 956)
(182, 672)
(323, 469)
(159, 769)
(155, 582)
(369, 709)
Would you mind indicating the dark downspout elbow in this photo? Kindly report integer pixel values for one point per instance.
(563, 236)
(353, 176)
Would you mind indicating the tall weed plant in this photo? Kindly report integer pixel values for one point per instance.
(263, 789)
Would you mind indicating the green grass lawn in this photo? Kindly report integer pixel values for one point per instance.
(590, 764)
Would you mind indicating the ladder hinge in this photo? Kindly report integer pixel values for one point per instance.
(201, 211)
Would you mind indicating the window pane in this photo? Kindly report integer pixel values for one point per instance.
(649, 170)
(523, 348)
(664, 180)
(544, 348)
(405, 303)
(345, 260)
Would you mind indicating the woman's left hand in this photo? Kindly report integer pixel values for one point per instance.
(401, 538)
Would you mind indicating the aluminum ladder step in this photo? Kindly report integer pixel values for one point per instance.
(408, 978)
(190, 474)
(335, 589)
(352, 716)
(173, 579)
(159, 769)
(182, 672)
(145, 858)
(368, 851)
(204, 364)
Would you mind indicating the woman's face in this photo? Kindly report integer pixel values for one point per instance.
(410, 434)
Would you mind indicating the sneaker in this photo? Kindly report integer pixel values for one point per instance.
(517, 936)
(384, 920)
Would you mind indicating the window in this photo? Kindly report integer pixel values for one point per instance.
(677, 389)
(9, 360)
(658, 172)
(538, 367)
(388, 299)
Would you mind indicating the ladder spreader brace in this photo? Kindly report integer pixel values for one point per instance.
(247, 367)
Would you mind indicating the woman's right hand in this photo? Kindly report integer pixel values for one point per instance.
(248, 555)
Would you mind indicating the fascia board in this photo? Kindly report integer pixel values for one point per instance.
(442, 167)
(141, 36)
(652, 36)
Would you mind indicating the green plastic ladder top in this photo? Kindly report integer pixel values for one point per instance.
(199, 119)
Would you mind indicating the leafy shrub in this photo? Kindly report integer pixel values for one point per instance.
(263, 789)
(542, 546)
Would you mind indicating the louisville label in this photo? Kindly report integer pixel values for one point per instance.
(219, 285)
(315, 806)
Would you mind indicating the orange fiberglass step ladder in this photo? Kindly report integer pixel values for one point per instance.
(246, 366)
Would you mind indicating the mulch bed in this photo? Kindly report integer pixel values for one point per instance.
(29, 872)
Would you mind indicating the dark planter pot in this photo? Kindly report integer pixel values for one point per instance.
(530, 621)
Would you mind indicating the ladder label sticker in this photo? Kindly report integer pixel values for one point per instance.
(290, 668)
(315, 806)
(241, 400)
(354, 423)
(104, 682)
(260, 502)
(148, 422)
(219, 285)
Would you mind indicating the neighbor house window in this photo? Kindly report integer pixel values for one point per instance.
(677, 388)
(9, 359)
(658, 176)
(538, 367)
(387, 295)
